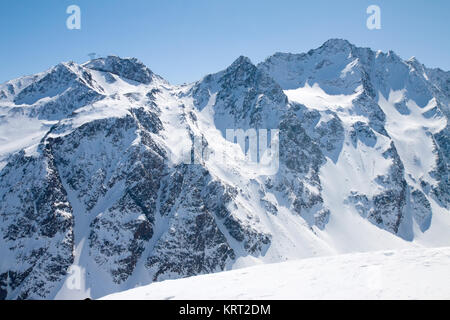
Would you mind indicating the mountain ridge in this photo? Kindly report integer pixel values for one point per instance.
(100, 176)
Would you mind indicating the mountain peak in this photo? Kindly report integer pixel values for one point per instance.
(130, 68)
(240, 69)
(337, 44)
(242, 60)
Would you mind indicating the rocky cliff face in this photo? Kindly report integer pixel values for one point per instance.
(106, 175)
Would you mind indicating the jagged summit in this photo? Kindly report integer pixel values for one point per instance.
(241, 96)
(339, 66)
(241, 60)
(242, 69)
(337, 44)
(129, 68)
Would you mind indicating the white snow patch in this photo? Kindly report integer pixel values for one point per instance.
(406, 274)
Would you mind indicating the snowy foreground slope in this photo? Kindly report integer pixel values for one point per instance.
(405, 274)
(112, 175)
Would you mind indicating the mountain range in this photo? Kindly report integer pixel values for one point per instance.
(94, 177)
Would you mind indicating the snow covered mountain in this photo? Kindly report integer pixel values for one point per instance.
(108, 168)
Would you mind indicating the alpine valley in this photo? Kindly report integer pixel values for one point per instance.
(93, 183)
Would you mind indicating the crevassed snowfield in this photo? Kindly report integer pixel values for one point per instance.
(402, 274)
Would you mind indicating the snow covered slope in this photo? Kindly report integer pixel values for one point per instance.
(98, 172)
(406, 274)
(390, 131)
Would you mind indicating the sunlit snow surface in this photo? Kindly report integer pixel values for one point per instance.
(405, 274)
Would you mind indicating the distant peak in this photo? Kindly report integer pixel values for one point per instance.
(241, 65)
(337, 43)
(242, 60)
(130, 68)
(63, 66)
(114, 59)
(62, 69)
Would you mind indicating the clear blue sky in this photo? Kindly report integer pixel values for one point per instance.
(183, 40)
